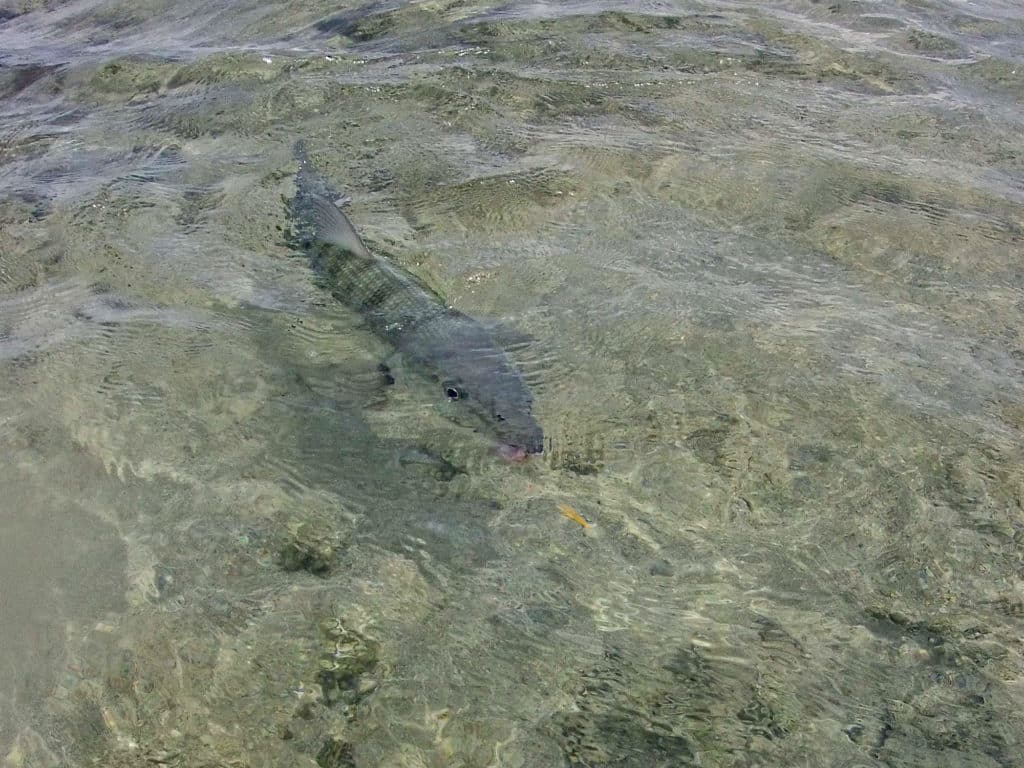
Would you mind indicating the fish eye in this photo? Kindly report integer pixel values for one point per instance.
(452, 393)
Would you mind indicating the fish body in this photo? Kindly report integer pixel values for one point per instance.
(460, 354)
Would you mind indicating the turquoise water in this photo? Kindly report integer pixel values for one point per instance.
(767, 259)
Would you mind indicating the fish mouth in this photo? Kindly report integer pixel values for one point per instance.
(513, 453)
(518, 453)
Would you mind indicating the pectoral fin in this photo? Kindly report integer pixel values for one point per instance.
(392, 369)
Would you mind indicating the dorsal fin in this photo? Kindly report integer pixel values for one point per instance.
(331, 225)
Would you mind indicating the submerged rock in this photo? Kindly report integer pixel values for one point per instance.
(345, 657)
(579, 462)
(335, 753)
(307, 547)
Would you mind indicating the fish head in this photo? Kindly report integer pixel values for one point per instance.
(504, 406)
(479, 381)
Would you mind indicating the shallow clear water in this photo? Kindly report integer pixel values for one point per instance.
(769, 257)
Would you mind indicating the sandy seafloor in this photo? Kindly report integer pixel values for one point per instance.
(768, 257)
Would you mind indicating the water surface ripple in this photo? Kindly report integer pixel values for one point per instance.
(760, 265)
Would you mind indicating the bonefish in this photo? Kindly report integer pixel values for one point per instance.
(470, 368)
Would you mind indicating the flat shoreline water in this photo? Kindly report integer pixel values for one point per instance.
(764, 262)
